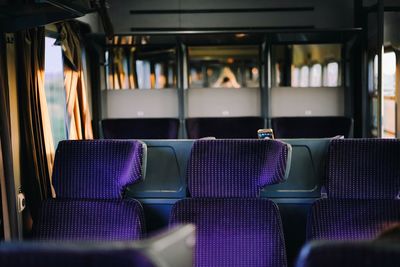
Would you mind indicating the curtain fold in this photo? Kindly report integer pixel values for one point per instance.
(5, 232)
(79, 120)
(37, 143)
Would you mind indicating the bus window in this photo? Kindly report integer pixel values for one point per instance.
(389, 94)
(311, 65)
(316, 75)
(223, 67)
(295, 77)
(331, 78)
(54, 89)
(140, 67)
(143, 74)
(304, 76)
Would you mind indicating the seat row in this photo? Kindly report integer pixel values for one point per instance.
(226, 127)
(234, 226)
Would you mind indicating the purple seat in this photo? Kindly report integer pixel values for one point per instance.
(227, 127)
(43, 254)
(234, 227)
(351, 219)
(363, 185)
(349, 254)
(311, 127)
(89, 178)
(97, 169)
(72, 219)
(149, 128)
(168, 248)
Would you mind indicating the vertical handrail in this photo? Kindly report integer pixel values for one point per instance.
(380, 55)
(182, 84)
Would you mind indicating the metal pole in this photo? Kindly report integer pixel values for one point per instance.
(380, 55)
(182, 84)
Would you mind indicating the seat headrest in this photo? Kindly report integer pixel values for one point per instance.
(363, 169)
(236, 167)
(97, 169)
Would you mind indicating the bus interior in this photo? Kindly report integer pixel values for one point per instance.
(128, 133)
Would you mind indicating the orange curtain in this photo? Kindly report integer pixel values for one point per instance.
(5, 231)
(37, 139)
(79, 120)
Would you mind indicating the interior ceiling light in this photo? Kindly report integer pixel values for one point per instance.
(240, 35)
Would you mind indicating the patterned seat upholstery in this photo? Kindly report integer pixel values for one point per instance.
(43, 254)
(234, 227)
(363, 185)
(311, 127)
(149, 128)
(89, 178)
(227, 127)
(351, 219)
(349, 254)
(172, 248)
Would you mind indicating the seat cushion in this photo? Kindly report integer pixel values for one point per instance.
(97, 169)
(234, 232)
(62, 219)
(347, 219)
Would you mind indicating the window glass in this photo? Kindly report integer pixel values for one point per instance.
(143, 73)
(376, 72)
(295, 77)
(223, 67)
(332, 74)
(389, 95)
(54, 89)
(304, 76)
(311, 65)
(316, 75)
(389, 73)
(141, 67)
(389, 92)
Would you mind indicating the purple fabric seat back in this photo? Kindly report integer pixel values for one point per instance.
(71, 255)
(363, 169)
(235, 167)
(227, 127)
(234, 227)
(311, 127)
(350, 219)
(363, 185)
(349, 254)
(89, 178)
(92, 220)
(97, 169)
(233, 231)
(150, 128)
